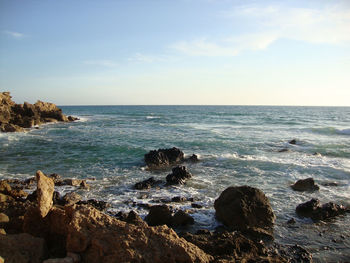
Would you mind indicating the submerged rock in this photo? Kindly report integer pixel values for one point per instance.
(178, 176)
(163, 157)
(314, 210)
(305, 185)
(245, 208)
(193, 158)
(146, 184)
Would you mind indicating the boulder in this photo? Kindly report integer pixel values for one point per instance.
(100, 238)
(159, 215)
(71, 198)
(314, 210)
(178, 176)
(305, 185)
(45, 189)
(146, 184)
(98, 204)
(22, 248)
(294, 141)
(4, 218)
(163, 157)
(244, 208)
(181, 218)
(193, 158)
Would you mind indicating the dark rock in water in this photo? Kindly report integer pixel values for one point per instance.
(291, 221)
(294, 141)
(147, 184)
(243, 208)
(231, 247)
(292, 254)
(181, 218)
(163, 157)
(195, 205)
(284, 150)
(71, 118)
(317, 154)
(193, 158)
(159, 215)
(178, 176)
(305, 185)
(314, 210)
(99, 205)
(71, 198)
(179, 199)
(330, 184)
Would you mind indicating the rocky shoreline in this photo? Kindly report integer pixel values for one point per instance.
(46, 227)
(19, 117)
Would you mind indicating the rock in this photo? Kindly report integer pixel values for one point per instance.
(99, 205)
(56, 178)
(5, 187)
(146, 184)
(45, 189)
(329, 184)
(101, 238)
(195, 205)
(131, 218)
(178, 199)
(16, 117)
(59, 260)
(293, 254)
(314, 210)
(71, 198)
(4, 218)
(294, 141)
(71, 118)
(243, 208)
(178, 176)
(159, 215)
(22, 248)
(284, 150)
(291, 221)
(2, 232)
(182, 219)
(305, 185)
(163, 157)
(193, 158)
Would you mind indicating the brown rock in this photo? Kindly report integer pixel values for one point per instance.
(71, 198)
(101, 238)
(45, 189)
(4, 218)
(305, 185)
(182, 219)
(243, 208)
(22, 248)
(5, 187)
(2, 232)
(159, 215)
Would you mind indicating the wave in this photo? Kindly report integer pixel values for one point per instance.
(152, 117)
(331, 131)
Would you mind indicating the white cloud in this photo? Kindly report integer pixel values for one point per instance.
(14, 34)
(103, 63)
(327, 25)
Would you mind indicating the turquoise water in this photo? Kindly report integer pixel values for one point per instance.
(237, 145)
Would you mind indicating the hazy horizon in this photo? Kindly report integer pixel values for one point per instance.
(186, 52)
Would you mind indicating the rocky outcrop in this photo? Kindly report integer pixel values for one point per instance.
(45, 189)
(246, 209)
(163, 157)
(179, 175)
(22, 248)
(146, 184)
(101, 238)
(305, 185)
(316, 211)
(17, 117)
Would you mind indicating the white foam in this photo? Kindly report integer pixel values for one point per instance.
(152, 117)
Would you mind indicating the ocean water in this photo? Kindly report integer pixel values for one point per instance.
(237, 145)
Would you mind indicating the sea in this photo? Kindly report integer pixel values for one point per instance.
(236, 145)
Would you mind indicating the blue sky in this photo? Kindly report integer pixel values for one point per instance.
(176, 52)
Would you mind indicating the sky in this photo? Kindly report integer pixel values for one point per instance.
(176, 52)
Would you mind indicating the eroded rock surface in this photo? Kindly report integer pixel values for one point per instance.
(179, 175)
(307, 184)
(163, 157)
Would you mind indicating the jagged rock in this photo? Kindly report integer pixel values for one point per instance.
(163, 157)
(146, 184)
(101, 238)
(195, 205)
(178, 176)
(305, 185)
(159, 215)
(5, 187)
(244, 208)
(182, 219)
(193, 158)
(4, 218)
(99, 205)
(22, 248)
(316, 211)
(16, 117)
(231, 247)
(178, 199)
(45, 189)
(294, 141)
(2, 232)
(73, 182)
(132, 218)
(71, 198)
